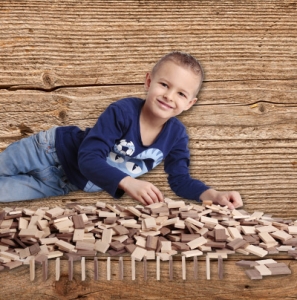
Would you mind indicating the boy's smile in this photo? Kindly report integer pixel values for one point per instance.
(170, 91)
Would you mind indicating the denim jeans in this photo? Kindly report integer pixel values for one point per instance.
(30, 169)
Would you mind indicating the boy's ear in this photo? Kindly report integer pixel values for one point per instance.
(147, 81)
(191, 103)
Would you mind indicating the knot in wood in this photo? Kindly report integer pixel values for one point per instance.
(48, 82)
(62, 114)
(261, 108)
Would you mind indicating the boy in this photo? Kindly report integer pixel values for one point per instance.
(131, 137)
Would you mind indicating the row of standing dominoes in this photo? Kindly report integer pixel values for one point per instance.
(44, 263)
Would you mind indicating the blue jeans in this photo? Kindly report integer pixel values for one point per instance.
(30, 169)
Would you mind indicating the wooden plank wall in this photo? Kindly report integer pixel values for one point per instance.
(63, 61)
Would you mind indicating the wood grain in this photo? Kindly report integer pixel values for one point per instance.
(63, 62)
(52, 44)
(235, 282)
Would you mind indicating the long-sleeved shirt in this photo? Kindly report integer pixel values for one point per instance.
(99, 158)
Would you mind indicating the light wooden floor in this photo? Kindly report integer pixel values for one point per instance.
(63, 62)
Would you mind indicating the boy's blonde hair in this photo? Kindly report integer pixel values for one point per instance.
(185, 60)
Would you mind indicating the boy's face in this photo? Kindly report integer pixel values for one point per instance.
(171, 90)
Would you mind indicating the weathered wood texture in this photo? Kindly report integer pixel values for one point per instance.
(62, 62)
(234, 285)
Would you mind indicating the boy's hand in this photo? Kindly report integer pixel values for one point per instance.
(231, 199)
(142, 191)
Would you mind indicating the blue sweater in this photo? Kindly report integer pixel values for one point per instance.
(100, 157)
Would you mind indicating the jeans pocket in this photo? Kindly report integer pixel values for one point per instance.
(47, 175)
(46, 140)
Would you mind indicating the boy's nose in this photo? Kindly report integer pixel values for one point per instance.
(168, 95)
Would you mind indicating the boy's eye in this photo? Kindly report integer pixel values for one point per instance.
(182, 94)
(163, 84)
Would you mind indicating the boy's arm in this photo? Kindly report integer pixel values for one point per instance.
(177, 166)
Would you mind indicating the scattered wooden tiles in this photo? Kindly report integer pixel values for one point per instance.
(157, 231)
(260, 268)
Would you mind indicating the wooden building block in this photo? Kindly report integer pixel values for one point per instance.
(106, 214)
(58, 269)
(140, 241)
(83, 269)
(266, 261)
(134, 211)
(81, 245)
(120, 230)
(166, 246)
(207, 267)
(101, 246)
(192, 253)
(117, 246)
(285, 270)
(215, 255)
(54, 254)
(176, 204)
(121, 268)
(220, 235)
(256, 215)
(170, 221)
(197, 242)
(185, 238)
(150, 223)
(285, 248)
(248, 230)
(208, 220)
(23, 223)
(48, 241)
(234, 233)
(151, 243)
(96, 271)
(34, 249)
(107, 236)
(113, 208)
(9, 255)
(216, 245)
(246, 263)
(130, 248)
(120, 238)
(13, 264)
(281, 235)
(54, 212)
(29, 232)
(194, 222)
(138, 253)
(150, 255)
(269, 228)
(237, 243)
(268, 239)
(164, 231)
(253, 274)
(32, 269)
(256, 250)
(65, 246)
(184, 268)
(220, 267)
(78, 222)
(264, 271)
(78, 235)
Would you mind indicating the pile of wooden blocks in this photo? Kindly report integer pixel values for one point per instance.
(157, 231)
(265, 267)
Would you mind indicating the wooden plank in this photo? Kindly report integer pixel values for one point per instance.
(87, 54)
(127, 288)
(110, 40)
